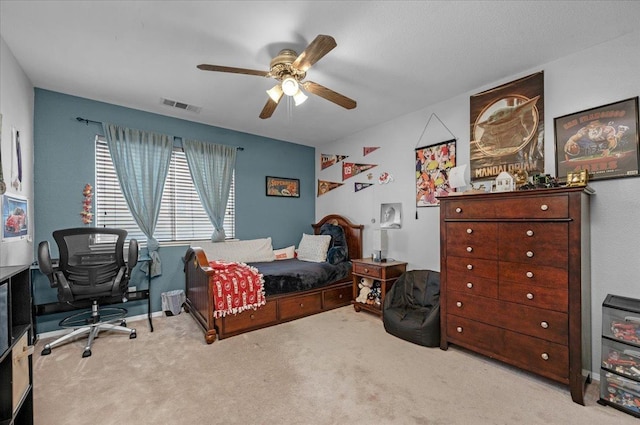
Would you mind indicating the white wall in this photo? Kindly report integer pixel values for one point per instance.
(16, 107)
(603, 74)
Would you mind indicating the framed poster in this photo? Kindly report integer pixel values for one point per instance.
(391, 216)
(507, 129)
(282, 186)
(15, 224)
(433, 164)
(602, 141)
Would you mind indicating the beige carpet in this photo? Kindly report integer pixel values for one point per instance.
(338, 367)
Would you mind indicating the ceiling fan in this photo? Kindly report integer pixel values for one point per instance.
(290, 69)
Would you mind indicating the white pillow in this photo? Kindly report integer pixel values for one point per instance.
(314, 248)
(285, 253)
(247, 251)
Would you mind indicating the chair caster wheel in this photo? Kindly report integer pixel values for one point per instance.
(133, 335)
(46, 351)
(86, 353)
(123, 323)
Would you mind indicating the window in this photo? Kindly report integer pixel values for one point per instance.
(182, 217)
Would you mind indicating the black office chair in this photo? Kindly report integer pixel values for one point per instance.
(91, 269)
(411, 309)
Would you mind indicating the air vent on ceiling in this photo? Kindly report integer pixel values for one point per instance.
(180, 105)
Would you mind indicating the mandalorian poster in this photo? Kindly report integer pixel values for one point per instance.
(507, 129)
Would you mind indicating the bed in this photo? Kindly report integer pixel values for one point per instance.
(291, 297)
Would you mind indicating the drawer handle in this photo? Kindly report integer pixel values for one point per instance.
(469, 266)
(544, 207)
(459, 304)
(529, 232)
(530, 254)
(545, 356)
(469, 285)
(366, 270)
(469, 249)
(529, 275)
(301, 305)
(458, 210)
(253, 316)
(459, 329)
(529, 296)
(544, 325)
(469, 231)
(340, 296)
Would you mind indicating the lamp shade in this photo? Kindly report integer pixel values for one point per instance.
(290, 86)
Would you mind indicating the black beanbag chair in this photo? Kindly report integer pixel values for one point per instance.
(411, 309)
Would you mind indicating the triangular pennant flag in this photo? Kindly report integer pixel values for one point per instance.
(361, 186)
(326, 186)
(349, 169)
(329, 160)
(367, 150)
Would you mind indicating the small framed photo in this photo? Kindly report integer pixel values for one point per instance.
(284, 187)
(602, 141)
(391, 216)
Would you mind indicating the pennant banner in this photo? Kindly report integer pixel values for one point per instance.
(349, 169)
(329, 160)
(326, 186)
(361, 186)
(367, 150)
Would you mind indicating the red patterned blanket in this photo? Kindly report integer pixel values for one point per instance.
(237, 287)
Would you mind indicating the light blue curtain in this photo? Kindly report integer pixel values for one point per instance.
(211, 167)
(141, 160)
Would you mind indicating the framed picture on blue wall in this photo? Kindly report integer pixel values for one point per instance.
(283, 187)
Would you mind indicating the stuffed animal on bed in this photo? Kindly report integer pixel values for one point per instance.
(365, 287)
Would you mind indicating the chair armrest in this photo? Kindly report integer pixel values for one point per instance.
(64, 290)
(44, 262)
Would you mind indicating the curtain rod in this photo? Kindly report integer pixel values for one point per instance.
(86, 121)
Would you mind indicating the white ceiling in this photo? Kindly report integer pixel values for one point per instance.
(393, 57)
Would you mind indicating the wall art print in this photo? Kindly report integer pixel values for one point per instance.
(433, 164)
(603, 141)
(15, 222)
(282, 186)
(507, 129)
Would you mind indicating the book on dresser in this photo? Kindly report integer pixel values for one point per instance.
(515, 280)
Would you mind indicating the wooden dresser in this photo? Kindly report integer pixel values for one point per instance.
(515, 280)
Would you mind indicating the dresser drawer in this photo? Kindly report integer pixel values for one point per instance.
(300, 306)
(472, 268)
(545, 324)
(250, 318)
(534, 243)
(535, 275)
(535, 296)
(337, 297)
(473, 239)
(461, 280)
(537, 355)
(518, 207)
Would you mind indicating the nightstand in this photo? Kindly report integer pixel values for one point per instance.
(384, 274)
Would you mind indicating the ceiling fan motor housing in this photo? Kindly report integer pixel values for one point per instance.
(281, 66)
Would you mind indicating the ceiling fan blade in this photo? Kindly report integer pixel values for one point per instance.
(269, 108)
(217, 68)
(315, 51)
(329, 94)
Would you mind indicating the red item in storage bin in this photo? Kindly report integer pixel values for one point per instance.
(628, 331)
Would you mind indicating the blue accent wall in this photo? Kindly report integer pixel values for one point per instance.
(64, 163)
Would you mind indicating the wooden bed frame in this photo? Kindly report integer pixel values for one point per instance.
(279, 308)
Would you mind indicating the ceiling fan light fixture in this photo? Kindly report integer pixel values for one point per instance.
(290, 86)
(275, 93)
(299, 98)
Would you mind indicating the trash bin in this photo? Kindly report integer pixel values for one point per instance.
(172, 302)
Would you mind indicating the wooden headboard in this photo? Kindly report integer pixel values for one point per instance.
(352, 232)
